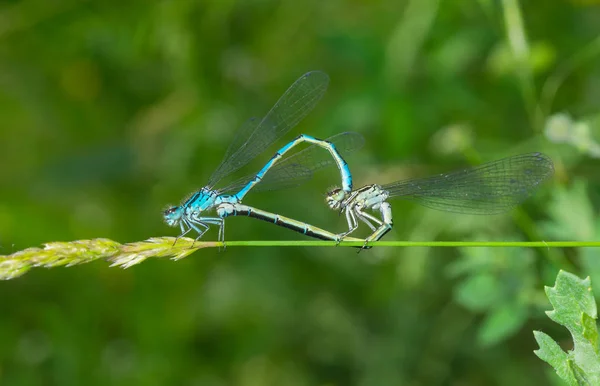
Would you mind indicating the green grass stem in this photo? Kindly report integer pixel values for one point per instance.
(57, 254)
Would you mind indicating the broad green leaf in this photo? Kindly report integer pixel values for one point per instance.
(502, 323)
(496, 282)
(590, 330)
(478, 292)
(551, 353)
(575, 309)
(572, 214)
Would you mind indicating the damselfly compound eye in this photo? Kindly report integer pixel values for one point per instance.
(170, 211)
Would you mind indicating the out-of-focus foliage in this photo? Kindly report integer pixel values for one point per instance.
(499, 282)
(574, 308)
(112, 110)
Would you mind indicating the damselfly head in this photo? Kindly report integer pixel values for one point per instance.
(172, 216)
(334, 198)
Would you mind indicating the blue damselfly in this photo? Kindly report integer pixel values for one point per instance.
(254, 137)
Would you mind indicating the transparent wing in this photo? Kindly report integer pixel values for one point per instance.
(297, 168)
(241, 136)
(311, 159)
(490, 188)
(256, 135)
(294, 176)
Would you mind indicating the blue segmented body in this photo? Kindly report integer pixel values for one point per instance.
(491, 188)
(340, 162)
(279, 172)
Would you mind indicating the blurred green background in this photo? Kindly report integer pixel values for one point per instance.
(112, 110)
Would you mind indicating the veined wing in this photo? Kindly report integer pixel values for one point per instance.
(256, 135)
(490, 188)
(297, 168)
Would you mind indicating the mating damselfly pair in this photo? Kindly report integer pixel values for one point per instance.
(491, 188)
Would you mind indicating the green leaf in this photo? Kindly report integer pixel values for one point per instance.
(590, 330)
(551, 353)
(502, 323)
(478, 292)
(575, 309)
(572, 213)
(497, 283)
